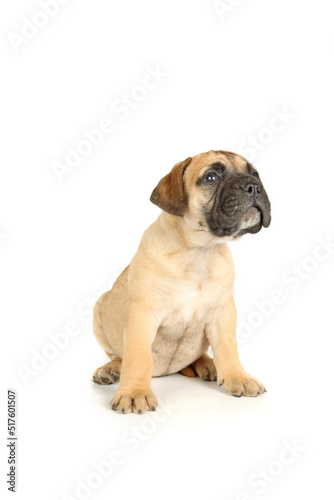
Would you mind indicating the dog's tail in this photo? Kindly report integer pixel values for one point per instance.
(188, 371)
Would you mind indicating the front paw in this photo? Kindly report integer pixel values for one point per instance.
(242, 384)
(133, 400)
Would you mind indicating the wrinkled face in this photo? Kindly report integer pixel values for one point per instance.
(227, 191)
(216, 191)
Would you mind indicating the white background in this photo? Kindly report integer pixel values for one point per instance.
(63, 242)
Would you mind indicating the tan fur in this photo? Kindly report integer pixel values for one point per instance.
(188, 372)
(173, 301)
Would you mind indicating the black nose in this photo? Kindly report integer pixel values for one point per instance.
(252, 188)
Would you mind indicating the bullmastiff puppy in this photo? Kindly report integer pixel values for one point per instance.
(175, 299)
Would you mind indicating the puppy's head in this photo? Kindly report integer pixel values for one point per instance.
(216, 191)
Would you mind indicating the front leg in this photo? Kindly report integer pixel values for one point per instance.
(134, 393)
(222, 336)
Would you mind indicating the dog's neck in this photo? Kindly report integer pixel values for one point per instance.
(183, 229)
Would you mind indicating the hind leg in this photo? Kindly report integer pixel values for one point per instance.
(203, 367)
(108, 373)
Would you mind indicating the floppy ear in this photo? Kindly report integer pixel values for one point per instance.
(169, 194)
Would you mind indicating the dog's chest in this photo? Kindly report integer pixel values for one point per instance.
(193, 302)
(181, 338)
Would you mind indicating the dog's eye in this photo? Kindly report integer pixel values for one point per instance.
(211, 177)
(255, 174)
